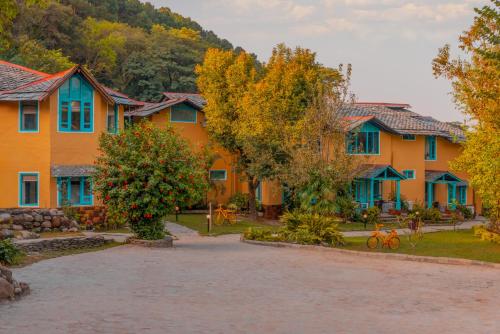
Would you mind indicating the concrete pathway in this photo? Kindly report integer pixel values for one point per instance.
(220, 285)
(427, 229)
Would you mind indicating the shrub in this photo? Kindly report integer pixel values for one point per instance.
(311, 229)
(485, 234)
(9, 253)
(240, 200)
(346, 207)
(431, 214)
(261, 235)
(373, 215)
(144, 172)
(464, 211)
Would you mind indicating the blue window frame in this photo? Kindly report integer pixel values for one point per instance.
(366, 141)
(76, 105)
(409, 174)
(218, 175)
(29, 189)
(183, 114)
(409, 137)
(74, 190)
(112, 118)
(28, 116)
(462, 194)
(430, 148)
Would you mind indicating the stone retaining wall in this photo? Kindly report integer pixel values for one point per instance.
(57, 244)
(91, 215)
(36, 220)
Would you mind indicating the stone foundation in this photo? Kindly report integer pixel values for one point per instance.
(36, 220)
(57, 244)
(272, 211)
(91, 215)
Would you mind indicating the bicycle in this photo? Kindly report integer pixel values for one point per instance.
(390, 240)
(223, 215)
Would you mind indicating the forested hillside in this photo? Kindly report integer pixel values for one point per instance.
(128, 45)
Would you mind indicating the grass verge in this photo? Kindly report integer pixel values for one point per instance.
(198, 222)
(457, 244)
(33, 258)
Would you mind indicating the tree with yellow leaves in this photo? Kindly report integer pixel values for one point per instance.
(476, 88)
(251, 110)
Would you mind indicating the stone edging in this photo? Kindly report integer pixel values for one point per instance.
(390, 256)
(166, 242)
(57, 244)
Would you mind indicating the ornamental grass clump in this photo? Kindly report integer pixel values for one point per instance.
(144, 172)
(302, 228)
(9, 253)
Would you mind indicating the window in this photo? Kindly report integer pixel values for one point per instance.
(28, 189)
(462, 194)
(409, 174)
(430, 148)
(113, 118)
(183, 114)
(28, 116)
(409, 137)
(74, 190)
(218, 175)
(366, 141)
(76, 105)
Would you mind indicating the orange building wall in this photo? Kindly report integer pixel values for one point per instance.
(23, 152)
(197, 136)
(36, 152)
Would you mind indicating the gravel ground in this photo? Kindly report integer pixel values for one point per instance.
(219, 285)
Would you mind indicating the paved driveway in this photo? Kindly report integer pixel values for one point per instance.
(219, 285)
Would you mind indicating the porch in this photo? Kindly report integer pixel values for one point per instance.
(370, 184)
(443, 188)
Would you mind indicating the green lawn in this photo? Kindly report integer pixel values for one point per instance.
(459, 244)
(198, 222)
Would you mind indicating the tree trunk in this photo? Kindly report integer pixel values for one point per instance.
(252, 200)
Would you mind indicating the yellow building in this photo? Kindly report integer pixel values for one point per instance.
(51, 125)
(407, 156)
(49, 135)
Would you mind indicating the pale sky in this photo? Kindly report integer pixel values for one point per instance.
(390, 43)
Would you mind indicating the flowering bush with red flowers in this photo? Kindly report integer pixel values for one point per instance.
(144, 172)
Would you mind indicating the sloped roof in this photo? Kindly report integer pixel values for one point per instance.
(193, 97)
(13, 76)
(435, 175)
(121, 98)
(71, 170)
(374, 171)
(404, 121)
(42, 88)
(151, 108)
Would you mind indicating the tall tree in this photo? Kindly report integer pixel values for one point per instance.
(249, 110)
(476, 88)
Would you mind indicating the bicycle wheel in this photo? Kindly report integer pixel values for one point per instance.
(372, 242)
(394, 243)
(219, 219)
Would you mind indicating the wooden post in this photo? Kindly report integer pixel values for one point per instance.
(209, 217)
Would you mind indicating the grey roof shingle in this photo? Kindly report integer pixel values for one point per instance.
(433, 175)
(369, 171)
(193, 97)
(13, 76)
(71, 170)
(151, 108)
(121, 98)
(404, 121)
